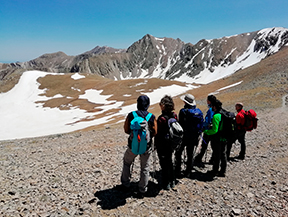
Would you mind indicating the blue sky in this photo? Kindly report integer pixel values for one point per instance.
(30, 28)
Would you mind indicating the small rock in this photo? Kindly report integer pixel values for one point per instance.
(236, 211)
(250, 195)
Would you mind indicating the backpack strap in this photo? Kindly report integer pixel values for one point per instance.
(147, 116)
(135, 114)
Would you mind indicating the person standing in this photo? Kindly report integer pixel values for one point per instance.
(191, 120)
(218, 143)
(164, 149)
(241, 132)
(143, 103)
(206, 125)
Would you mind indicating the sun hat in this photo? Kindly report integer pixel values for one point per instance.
(189, 99)
(239, 103)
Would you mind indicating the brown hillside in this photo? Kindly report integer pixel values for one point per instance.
(263, 86)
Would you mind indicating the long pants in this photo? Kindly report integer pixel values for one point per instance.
(189, 143)
(167, 166)
(204, 146)
(240, 136)
(219, 150)
(144, 174)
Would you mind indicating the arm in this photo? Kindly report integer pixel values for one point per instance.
(127, 126)
(215, 125)
(154, 128)
(240, 120)
(208, 119)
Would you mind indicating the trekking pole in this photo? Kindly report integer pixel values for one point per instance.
(154, 167)
(206, 148)
(154, 163)
(184, 157)
(194, 153)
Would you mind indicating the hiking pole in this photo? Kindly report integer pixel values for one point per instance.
(154, 167)
(206, 148)
(184, 157)
(194, 153)
(154, 163)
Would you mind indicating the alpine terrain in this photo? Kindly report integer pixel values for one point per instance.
(62, 139)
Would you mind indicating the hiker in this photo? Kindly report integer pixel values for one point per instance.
(218, 143)
(241, 132)
(191, 120)
(143, 103)
(164, 149)
(206, 138)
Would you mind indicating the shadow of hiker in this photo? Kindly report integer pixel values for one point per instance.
(201, 176)
(113, 197)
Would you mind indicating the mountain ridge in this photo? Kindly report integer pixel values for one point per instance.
(165, 58)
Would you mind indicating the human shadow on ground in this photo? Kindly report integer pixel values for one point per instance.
(115, 197)
(198, 173)
(201, 176)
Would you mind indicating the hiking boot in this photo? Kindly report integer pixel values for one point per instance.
(221, 174)
(199, 164)
(240, 157)
(172, 185)
(139, 195)
(167, 187)
(187, 174)
(212, 173)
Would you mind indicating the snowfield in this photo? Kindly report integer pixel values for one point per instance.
(22, 117)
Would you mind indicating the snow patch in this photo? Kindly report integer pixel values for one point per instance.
(77, 76)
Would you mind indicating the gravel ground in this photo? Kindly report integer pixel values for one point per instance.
(75, 175)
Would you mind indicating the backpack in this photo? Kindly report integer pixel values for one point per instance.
(175, 133)
(250, 120)
(228, 123)
(140, 134)
(193, 120)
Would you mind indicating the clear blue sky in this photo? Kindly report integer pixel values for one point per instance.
(30, 28)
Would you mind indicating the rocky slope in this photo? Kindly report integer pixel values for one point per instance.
(76, 174)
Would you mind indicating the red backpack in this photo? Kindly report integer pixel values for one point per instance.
(250, 120)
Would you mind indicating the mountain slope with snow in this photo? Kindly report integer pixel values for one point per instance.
(51, 103)
(165, 58)
(33, 109)
(212, 60)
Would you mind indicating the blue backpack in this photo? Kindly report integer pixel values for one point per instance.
(194, 120)
(140, 134)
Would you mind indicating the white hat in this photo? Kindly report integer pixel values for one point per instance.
(189, 99)
(239, 103)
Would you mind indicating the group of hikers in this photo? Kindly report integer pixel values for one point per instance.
(193, 126)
